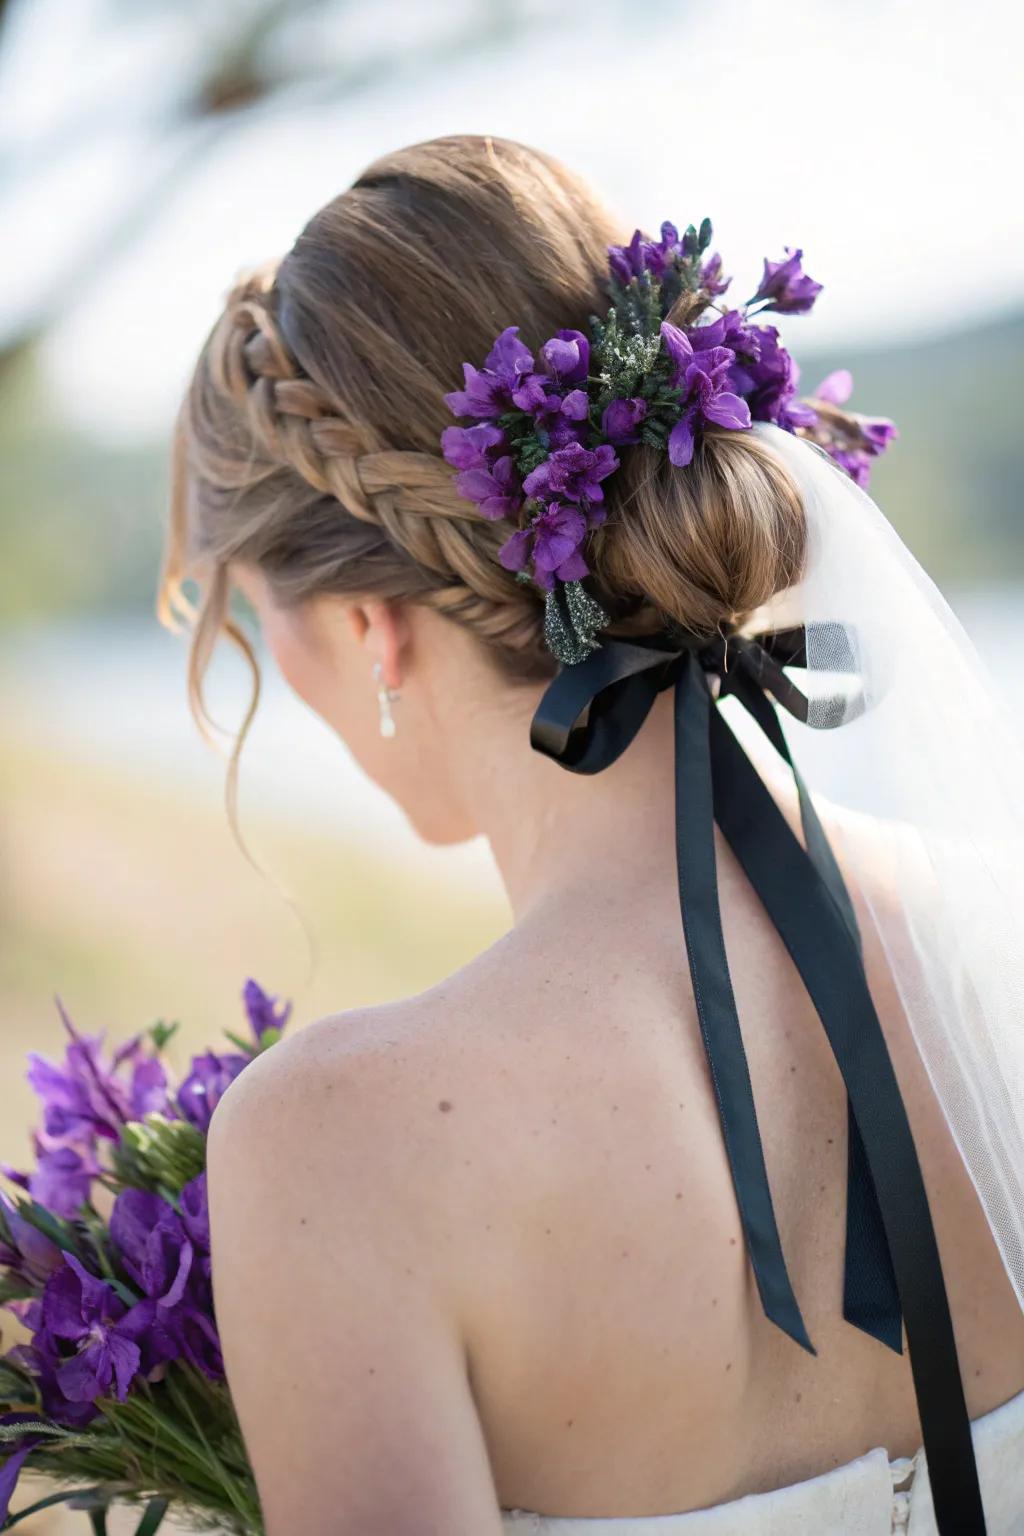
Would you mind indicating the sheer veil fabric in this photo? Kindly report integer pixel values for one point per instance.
(930, 752)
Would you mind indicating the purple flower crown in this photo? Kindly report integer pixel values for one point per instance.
(546, 432)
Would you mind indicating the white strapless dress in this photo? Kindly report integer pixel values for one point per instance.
(871, 1496)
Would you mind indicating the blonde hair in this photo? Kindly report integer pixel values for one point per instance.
(307, 442)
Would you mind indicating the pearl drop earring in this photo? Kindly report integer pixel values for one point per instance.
(385, 696)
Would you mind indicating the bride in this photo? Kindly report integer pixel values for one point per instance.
(695, 1203)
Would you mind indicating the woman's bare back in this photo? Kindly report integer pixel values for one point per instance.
(518, 1181)
(619, 1356)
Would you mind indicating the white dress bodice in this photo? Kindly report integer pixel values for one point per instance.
(872, 1496)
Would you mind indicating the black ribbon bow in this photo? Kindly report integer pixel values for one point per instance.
(892, 1273)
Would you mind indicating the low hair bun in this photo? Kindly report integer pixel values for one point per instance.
(700, 548)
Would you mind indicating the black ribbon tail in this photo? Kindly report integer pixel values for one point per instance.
(871, 1299)
(893, 1273)
(716, 1004)
(817, 935)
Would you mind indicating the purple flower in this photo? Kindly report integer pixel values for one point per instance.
(148, 1093)
(153, 1245)
(644, 255)
(497, 490)
(87, 1312)
(553, 542)
(86, 1100)
(33, 1255)
(836, 388)
(200, 1343)
(471, 447)
(567, 355)
(206, 1084)
(81, 1098)
(167, 1255)
(10, 1471)
(260, 1007)
(42, 1358)
(573, 472)
(629, 261)
(195, 1212)
(620, 421)
(703, 376)
(729, 330)
(488, 390)
(62, 1179)
(786, 286)
(509, 359)
(878, 430)
(711, 279)
(561, 418)
(766, 375)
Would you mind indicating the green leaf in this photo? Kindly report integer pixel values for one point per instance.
(50, 1499)
(160, 1033)
(246, 1046)
(704, 239)
(15, 1288)
(153, 1518)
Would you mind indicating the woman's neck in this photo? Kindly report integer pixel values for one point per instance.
(554, 833)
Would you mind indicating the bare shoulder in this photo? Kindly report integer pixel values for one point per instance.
(398, 1114)
(338, 1284)
(357, 1105)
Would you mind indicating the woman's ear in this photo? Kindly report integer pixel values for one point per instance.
(383, 630)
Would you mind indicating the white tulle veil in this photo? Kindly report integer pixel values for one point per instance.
(917, 750)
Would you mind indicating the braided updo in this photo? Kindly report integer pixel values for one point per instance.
(308, 441)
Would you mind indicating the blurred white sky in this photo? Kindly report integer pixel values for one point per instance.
(885, 138)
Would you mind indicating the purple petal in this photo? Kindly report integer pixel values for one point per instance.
(711, 279)
(135, 1214)
(86, 1376)
(514, 554)
(463, 448)
(125, 1357)
(620, 421)
(568, 356)
(680, 443)
(574, 568)
(62, 1306)
(836, 388)
(509, 357)
(195, 1214)
(879, 431)
(156, 1331)
(532, 393)
(260, 1007)
(727, 410)
(787, 287)
(11, 1469)
(677, 345)
(536, 482)
(558, 534)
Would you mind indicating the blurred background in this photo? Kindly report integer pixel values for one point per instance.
(148, 150)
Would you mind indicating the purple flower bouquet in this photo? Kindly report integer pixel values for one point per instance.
(118, 1393)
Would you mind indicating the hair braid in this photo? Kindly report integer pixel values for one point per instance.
(407, 494)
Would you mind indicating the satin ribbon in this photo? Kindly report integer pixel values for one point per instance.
(586, 719)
